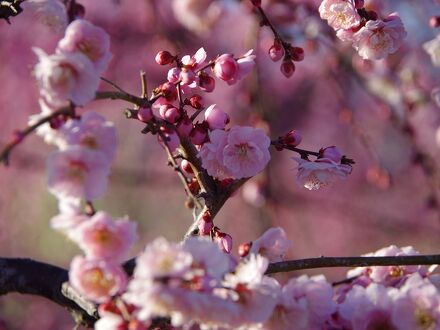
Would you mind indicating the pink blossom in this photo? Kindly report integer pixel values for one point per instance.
(273, 244)
(97, 280)
(378, 38)
(67, 223)
(161, 259)
(332, 153)
(307, 303)
(369, 308)
(51, 13)
(340, 14)
(103, 238)
(417, 306)
(173, 75)
(247, 151)
(196, 61)
(66, 77)
(110, 321)
(77, 172)
(88, 39)
(91, 131)
(320, 173)
(225, 67)
(211, 154)
(432, 47)
(215, 117)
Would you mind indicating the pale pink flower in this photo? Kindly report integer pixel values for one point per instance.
(432, 47)
(273, 244)
(196, 61)
(215, 117)
(49, 12)
(91, 131)
(417, 306)
(103, 238)
(320, 173)
(66, 77)
(377, 39)
(161, 259)
(97, 280)
(211, 154)
(340, 14)
(110, 321)
(67, 223)
(77, 172)
(247, 151)
(305, 304)
(369, 308)
(88, 39)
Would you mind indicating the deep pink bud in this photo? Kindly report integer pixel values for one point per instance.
(331, 153)
(196, 101)
(205, 224)
(194, 186)
(185, 126)
(145, 114)
(292, 138)
(216, 118)
(276, 51)
(164, 57)
(206, 82)
(186, 166)
(287, 68)
(169, 91)
(169, 113)
(17, 136)
(225, 67)
(243, 249)
(297, 54)
(434, 21)
(224, 241)
(199, 134)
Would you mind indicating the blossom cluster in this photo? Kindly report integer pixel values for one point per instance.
(197, 285)
(373, 38)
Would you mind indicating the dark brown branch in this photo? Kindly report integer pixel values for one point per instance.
(326, 262)
(27, 276)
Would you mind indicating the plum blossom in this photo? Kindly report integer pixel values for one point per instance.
(273, 244)
(211, 154)
(88, 39)
(320, 173)
(91, 131)
(67, 223)
(77, 172)
(231, 70)
(379, 38)
(305, 304)
(103, 238)
(97, 280)
(369, 308)
(417, 305)
(215, 117)
(50, 12)
(247, 151)
(432, 47)
(66, 77)
(340, 14)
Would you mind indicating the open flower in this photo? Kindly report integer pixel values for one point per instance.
(320, 173)
(66, 77)
(273, 244)
(340, 14)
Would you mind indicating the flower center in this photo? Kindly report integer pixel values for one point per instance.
(424, 319)
(76, 169)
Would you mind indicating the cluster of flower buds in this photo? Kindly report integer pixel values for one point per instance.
(373, 38)
(290, 54)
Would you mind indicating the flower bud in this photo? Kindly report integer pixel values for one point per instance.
(185, 126)
(145, 114)
(292, 138)
(276, 51)
(205, 224)
(196, 101)
(225, 67)
(169, 113)
(186, 166)
(169, 91)
(224, 241)
(216, 118)
(194, 186)
(297, 54)
(173, 75)
(164, 57)
(434, 21)
(287, 68)
(206, 82)
(331, 153)
(187, 77)
(243, 249)
(199, 134)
